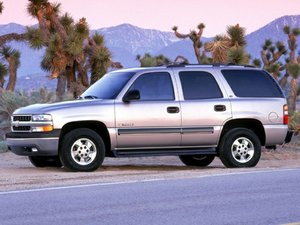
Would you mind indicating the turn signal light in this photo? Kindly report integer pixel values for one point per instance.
(42, 128)
(285, 114)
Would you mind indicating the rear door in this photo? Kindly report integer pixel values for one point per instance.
(205, 107)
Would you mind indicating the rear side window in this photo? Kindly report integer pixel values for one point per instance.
(199, 85)
(252, 83)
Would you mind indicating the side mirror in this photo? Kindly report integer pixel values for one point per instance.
(131, 95)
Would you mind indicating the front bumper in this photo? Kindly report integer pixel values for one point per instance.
(33, 144)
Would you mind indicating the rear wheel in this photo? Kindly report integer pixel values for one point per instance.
(45, 161)
(240, 147)
(82, 149)
(197, 160)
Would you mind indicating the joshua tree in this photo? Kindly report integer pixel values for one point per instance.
(256, 62)
(1, 7)
(147, 60)
(3, 73)
(53, 35)
(10, 58)
(270, 55)
(229, 48)
(13, 58)
(292, 67)
(195, 37)
(293, 70)
(70, 52)
(99, 58)
(218, 48)
(237, 55)
(292, 41)
(181, 59)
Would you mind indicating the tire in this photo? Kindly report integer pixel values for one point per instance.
(240, 147)
(197, 160)
(45, 161)
(82, 150)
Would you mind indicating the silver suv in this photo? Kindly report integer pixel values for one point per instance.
(194, 111)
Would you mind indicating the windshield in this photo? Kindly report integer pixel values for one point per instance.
(109, 86)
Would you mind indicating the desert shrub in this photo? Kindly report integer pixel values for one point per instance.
(3, 147)
(10, 101)
(43, 95)
(294, 122)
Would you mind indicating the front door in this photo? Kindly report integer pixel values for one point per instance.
(154, 120)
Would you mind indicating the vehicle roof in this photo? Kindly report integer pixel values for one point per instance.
(198, 66)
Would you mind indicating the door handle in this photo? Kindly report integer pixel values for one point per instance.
(220, 108)
(173, 109)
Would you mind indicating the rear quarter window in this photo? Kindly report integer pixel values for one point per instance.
(252, 83)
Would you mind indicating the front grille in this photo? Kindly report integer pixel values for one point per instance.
(21, 128)
(21, 118)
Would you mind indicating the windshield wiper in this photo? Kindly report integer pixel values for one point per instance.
(88, 97)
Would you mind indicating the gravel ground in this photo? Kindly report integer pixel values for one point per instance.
(18, 173)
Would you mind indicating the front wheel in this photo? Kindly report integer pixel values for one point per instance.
(82, 149)
(197, 160)
(240, 147)
(45, 161)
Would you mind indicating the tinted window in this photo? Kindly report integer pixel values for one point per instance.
(109, 86)
(199, 85)
(154, 86)
(252, 83)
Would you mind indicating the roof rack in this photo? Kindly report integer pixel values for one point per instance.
(211, 65)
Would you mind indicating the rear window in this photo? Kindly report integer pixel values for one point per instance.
(252, 83)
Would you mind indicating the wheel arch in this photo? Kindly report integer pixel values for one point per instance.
(251, 124)
(97, 126)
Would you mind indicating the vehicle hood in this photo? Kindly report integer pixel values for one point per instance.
(58, 106)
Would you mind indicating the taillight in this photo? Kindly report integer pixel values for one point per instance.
(285, 114)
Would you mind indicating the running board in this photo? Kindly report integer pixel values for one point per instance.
(164, 152)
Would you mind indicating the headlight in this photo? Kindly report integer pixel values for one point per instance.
(41, 118)
(44, 123)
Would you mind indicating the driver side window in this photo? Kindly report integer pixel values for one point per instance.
(155, 86)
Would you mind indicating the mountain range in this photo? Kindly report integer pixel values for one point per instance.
(125, 41)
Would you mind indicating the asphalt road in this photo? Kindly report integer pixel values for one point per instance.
(258, 197)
